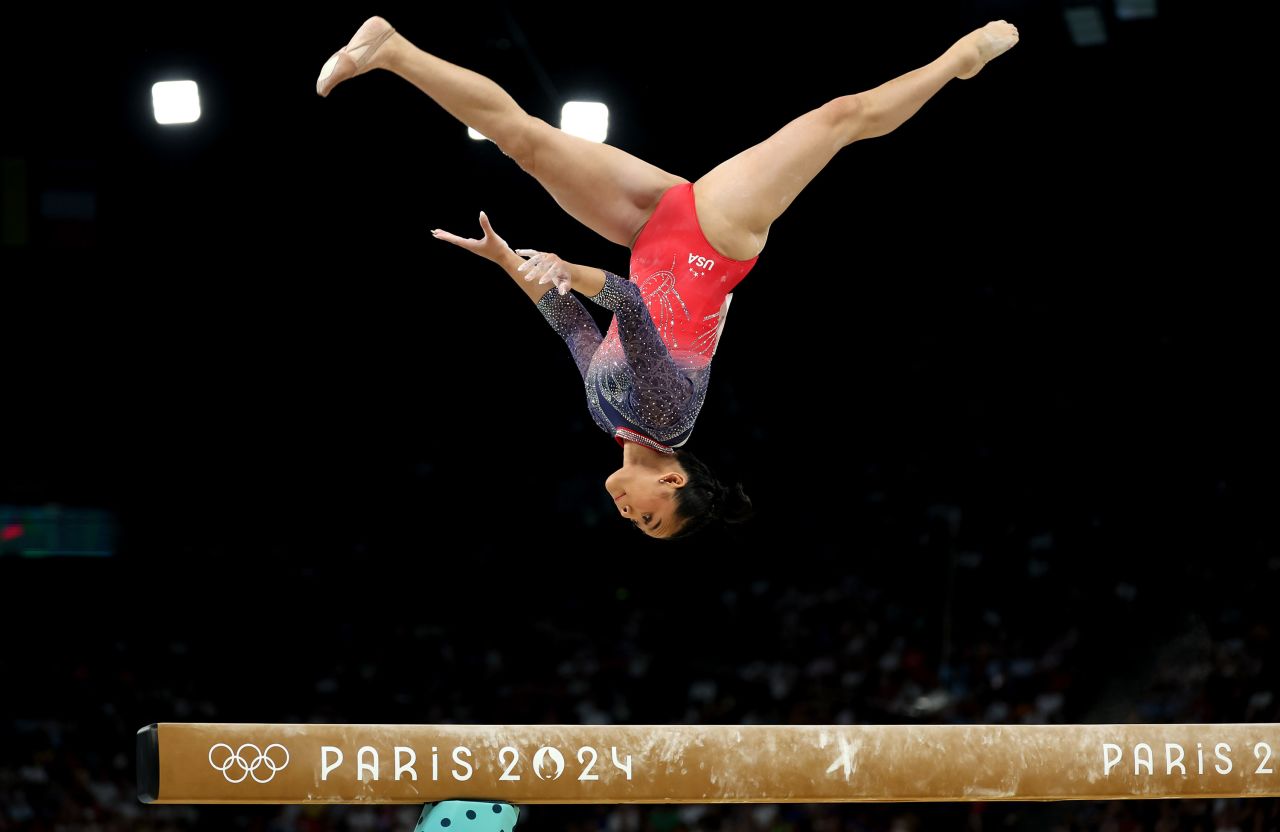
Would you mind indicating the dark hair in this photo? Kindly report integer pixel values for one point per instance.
(704, 501)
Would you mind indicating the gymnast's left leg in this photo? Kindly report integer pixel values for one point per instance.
(740, 199)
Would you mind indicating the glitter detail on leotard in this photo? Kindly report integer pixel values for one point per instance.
(631, 378)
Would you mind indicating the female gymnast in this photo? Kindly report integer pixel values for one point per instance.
(691, 243)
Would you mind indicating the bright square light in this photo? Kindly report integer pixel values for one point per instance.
(175, 102)
(477, 135)
(588, 119)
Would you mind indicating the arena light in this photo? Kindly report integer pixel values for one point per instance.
(175, 102)
(477, 135)
(260, 763)
(1135, 9)
(588, 119)
(1086, 25)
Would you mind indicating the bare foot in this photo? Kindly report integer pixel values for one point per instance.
(356, 58)
(981, 45)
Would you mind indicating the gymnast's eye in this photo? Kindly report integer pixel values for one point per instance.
(646, 518)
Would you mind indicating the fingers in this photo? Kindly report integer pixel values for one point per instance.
(465, 242)
(556, 275)
(537, 273)
(484, 223)
(548, 274)
(537, 267)
(533, 265)
(544, 267)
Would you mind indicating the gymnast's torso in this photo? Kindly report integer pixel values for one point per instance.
(647, 377)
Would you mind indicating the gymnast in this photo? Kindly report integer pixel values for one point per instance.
(691, 244)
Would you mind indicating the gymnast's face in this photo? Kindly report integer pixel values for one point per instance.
(646, 498)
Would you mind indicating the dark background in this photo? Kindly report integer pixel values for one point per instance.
(999, 387)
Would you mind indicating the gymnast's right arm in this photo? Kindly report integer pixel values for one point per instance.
(564, 312)
(493, 248)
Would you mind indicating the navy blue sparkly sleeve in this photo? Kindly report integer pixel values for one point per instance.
(660, 390)
(572, 322)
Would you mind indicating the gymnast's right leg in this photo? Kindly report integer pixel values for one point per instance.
(611, 192)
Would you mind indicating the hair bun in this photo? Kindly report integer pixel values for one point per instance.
(705, 499)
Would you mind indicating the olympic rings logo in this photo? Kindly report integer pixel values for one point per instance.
(260, 758)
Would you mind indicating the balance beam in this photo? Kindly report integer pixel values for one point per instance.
(260, 763)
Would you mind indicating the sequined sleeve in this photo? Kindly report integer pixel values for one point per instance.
(572, 322)
(661, 390)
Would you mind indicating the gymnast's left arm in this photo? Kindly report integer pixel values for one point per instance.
(660, 389)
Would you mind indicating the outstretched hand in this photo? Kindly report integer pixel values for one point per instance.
(490, 247)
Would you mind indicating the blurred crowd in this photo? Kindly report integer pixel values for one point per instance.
(997, 634)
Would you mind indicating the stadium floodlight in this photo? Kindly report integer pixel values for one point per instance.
(588, 119)
(175, 102)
